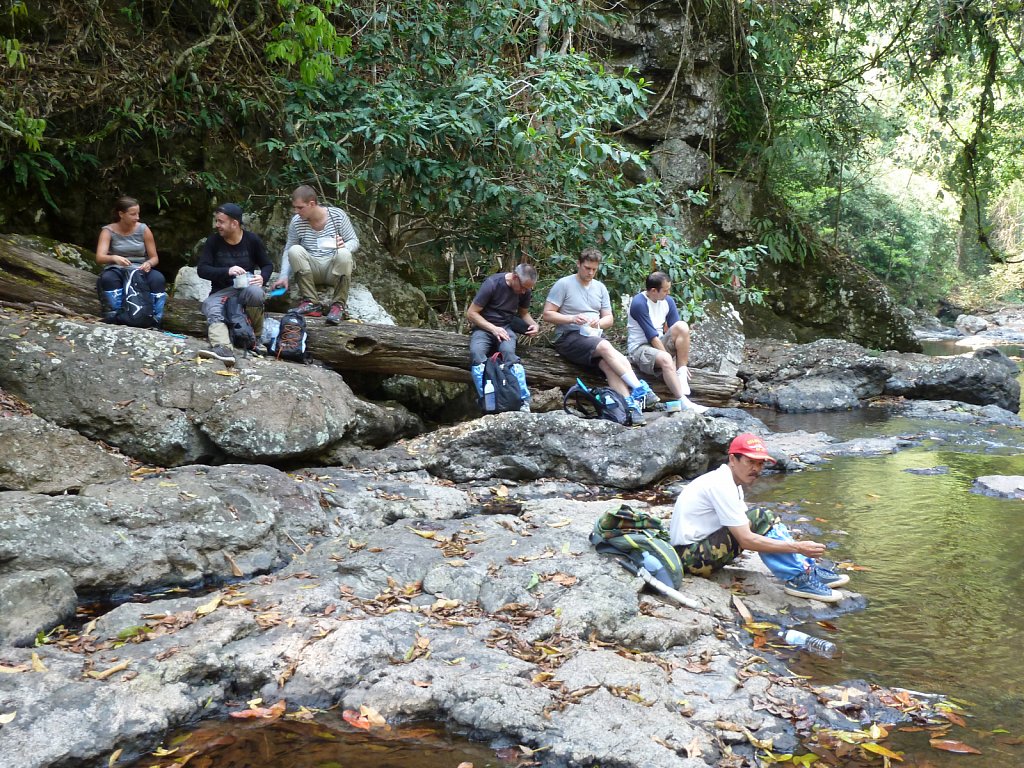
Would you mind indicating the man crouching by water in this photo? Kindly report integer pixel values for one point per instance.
(711, 526)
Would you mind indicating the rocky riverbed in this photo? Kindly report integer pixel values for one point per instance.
(445, 575)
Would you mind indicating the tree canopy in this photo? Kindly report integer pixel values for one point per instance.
(476, 129)
(837, 93)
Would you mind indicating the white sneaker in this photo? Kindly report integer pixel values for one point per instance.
(688, 405)
(684, 381)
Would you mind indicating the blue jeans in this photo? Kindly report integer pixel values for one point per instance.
(704, 557)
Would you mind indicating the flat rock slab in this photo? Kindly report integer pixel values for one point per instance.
(505, 625)
(1002, 486)
(41, 457)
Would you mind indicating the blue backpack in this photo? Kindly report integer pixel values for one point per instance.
(597, 403)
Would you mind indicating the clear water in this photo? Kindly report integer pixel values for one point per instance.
(944, 581)
(945, 348)
(326, 743)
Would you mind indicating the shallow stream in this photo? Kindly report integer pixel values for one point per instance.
(943, 573)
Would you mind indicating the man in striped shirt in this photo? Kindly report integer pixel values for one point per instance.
(318, 252)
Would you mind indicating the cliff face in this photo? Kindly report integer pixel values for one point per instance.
(684, 54)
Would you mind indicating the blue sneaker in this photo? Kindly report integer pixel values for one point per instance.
(808, 585)
(644, 395)
(636, 411)
(830, 577)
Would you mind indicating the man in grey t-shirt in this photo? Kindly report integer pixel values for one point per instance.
(581, 309)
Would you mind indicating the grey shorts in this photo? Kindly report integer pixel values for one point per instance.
(643, 357)
(577, 348)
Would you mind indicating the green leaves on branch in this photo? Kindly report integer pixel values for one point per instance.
(309, 39)
(456, 137)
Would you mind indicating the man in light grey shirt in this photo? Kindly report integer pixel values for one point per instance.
(321, 241)
(581, 309)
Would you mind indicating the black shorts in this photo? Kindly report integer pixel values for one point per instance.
(577, 348)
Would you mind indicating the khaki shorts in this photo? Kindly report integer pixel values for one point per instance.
(644, 356)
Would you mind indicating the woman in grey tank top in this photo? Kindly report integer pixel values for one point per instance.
(125, 244)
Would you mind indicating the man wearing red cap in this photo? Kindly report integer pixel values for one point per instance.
(711, 526)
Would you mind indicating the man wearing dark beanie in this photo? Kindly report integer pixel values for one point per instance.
(236, 264)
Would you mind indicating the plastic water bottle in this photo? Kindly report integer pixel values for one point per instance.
(815, 645)
(488, 396)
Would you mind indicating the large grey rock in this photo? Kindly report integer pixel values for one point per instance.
(510, 626)
(364, 307)
(32, 601)
(970, 324)
(736, 206)
(834, 375)
(680, 166)
(986, 377)
(189, 285)
(149, 395)
(42, 458)
(1003, 486)
(180, 527)
(716, 340)
(523, 446)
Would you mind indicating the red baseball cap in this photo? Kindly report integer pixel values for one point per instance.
(750, 445)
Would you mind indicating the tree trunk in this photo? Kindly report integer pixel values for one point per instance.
(32, 280)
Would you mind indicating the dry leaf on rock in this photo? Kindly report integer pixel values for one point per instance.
(265, 713)
(208, 608)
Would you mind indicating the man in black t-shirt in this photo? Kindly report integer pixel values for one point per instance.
(228, 256)
(500, 313)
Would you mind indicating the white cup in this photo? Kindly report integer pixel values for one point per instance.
(242, 280)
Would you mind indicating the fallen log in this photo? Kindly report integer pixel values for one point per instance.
(31, 278)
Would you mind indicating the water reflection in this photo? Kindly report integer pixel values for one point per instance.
(326, 743)
(944, 582)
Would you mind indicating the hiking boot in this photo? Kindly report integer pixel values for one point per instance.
(309, 308)
(830, 577)
(688, 405)
(224, 354)
(644, 395)
(636, 411)
(808, 585)
(336, 314)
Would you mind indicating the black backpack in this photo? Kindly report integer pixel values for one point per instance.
(290, 342)
(501, 387)
(136, 301)
(597, 403)
(239, 325)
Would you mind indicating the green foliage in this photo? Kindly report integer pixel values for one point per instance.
(1001, 283)
(783, 240)
(307, 38)
(455, 134)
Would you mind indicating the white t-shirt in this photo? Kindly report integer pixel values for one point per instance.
(710, 502)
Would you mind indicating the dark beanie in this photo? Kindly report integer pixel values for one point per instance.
(231, 210)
